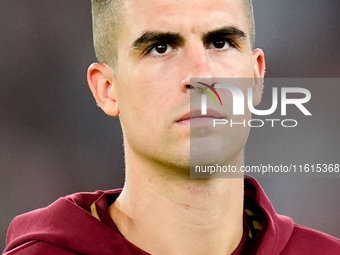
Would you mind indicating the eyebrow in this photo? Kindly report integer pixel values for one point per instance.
(155, 36)
(229, 31)
(150, 37)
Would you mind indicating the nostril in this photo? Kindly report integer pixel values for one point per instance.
(188, 86)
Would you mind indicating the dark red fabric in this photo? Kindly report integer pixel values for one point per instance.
(283, 237)
(246, 246)
(67, 227)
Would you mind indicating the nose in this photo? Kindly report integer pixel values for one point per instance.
(196, 64)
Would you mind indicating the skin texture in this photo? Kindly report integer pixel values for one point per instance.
(161, 209)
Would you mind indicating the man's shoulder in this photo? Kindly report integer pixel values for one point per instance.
(280, 234)
(70, 206)
(304, 240)
(65, 225)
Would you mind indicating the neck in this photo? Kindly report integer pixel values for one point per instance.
(179, 215)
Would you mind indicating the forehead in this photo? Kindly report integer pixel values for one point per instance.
(183, 16)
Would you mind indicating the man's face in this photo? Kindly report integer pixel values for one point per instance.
(162, 44)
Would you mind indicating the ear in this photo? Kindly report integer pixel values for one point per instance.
(259, 72)
(100, 79)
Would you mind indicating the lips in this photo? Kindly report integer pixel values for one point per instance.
(197, 115)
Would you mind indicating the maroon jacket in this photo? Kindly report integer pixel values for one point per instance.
(68, 227)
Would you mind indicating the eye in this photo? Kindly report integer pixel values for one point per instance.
(160, 49)
(220, 44)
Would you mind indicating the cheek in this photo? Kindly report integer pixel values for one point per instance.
(142, 97)
(244, 69)
(151, 85)
(235, 65)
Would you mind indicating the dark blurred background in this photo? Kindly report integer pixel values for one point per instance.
(54, 140)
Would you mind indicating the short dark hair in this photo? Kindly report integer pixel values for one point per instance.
(107, 19)
(248, 4)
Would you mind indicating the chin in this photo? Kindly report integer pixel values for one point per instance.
(207, 153)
